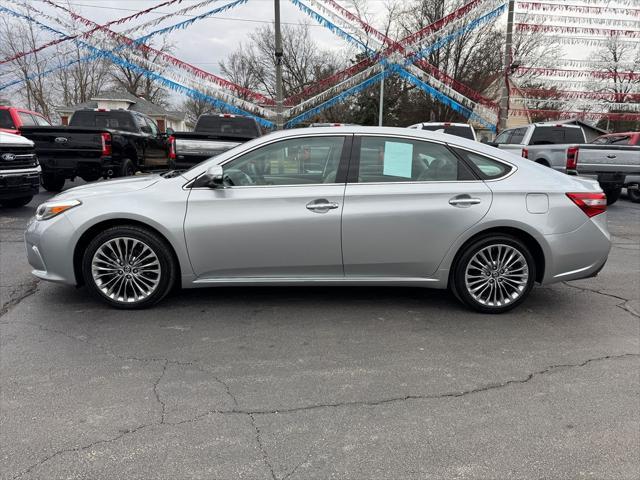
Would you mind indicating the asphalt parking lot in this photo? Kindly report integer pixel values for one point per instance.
(301, 383)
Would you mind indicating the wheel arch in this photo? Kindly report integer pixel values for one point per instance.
(543, 162)
(98, 227)
(529, 240)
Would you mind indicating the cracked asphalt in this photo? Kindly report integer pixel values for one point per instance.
(305, 383)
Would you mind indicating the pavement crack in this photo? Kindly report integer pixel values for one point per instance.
(624, 305)
(157, 394)
(261, 447)
(78, 449)
(32, 287)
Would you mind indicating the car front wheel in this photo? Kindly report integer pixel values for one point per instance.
(129, 267)
(494, 274)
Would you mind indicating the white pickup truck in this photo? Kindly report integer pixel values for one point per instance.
(564, 148)
(19, 170)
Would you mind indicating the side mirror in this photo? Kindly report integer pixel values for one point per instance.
(170, 131)
(213, 178)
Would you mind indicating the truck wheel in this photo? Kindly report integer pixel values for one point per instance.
(613, 194)
(16, 202)
(52, 183)
(634, 194)
(127, 168)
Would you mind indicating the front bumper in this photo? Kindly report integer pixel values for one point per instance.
(50, 249)
(581, 253)
(19, 184)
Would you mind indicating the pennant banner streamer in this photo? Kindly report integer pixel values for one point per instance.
(559, 72)
(559, 114)
(627, 35)
(561, 102)
(580, 95)
(589, 9)
(540, 18)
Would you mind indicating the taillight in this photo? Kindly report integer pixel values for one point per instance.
(572, 158)
(590, 203)
(106, 144)
(172, 147)
(525, 153)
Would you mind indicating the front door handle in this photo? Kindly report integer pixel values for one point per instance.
(464, 201)
(611, 156)
(322, 205)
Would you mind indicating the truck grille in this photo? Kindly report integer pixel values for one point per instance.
(13, 158)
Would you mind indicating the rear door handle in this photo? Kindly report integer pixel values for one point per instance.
(465, 201)
(321, 205)
(611, 156)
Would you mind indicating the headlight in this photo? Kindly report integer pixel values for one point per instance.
(49, 210)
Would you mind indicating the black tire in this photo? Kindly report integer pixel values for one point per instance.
(16, 202)
(634, 194)
(91, 178)
(166, 274)
(51, 182)
(613, 194)
(127, 168)
(462, 290)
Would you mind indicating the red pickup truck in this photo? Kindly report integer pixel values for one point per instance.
(14, 118)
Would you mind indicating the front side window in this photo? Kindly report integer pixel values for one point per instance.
(488, 168)
(296, 161)
(386, 159)
(41, 121)
(26, 119)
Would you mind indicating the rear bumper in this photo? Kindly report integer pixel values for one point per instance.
(578, 254)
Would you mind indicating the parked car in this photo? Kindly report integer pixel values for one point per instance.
(557, 146)
(212, 135)
(463, 130)
(390, 206)
(98, 143)
(12, 119)
(631, 139)
(19, 170)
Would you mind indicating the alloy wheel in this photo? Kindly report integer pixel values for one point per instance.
(126, 270)
(497, 275)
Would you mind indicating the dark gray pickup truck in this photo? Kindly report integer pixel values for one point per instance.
(98, 143)
(213, 134)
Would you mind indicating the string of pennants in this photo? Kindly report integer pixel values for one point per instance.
(594, 23)
(405, 58)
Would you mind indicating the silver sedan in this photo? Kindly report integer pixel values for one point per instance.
(326, 206)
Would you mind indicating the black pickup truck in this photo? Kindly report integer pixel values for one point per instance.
(98, 143)
(213, 134)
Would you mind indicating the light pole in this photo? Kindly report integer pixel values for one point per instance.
(278, 58)
(381, 105)
(508, 54)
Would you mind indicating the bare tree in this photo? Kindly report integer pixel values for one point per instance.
(240, 68)
(135, 82)
(193, 108)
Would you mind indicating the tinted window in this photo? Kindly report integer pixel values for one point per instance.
(295, 161)
(573, 135)
(487, 167)
(5, 120)
(113, 119)
(385, 159)
(457, 130)
(556, 135)
(518, 135)
(41, 121)
(228, 126)
(504, 137)
(26, 119)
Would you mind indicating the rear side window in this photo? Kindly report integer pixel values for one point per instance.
(387, 159)
(228, 126)
(517, 135)
(26, 119)
(487, 168)
(556, 135)
(504, 137)
(573, 135)
(5, 120)
(41, 121)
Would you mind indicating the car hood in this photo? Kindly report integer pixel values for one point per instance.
(110, 187)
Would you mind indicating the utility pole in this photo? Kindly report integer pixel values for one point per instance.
(278, 57)
(508, 58)
(381, 105)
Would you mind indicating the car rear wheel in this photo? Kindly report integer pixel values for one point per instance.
(613, 194)
(16, 202)
(52, 183)
(129, 267)
(127, 168)
(494, 274)
(634, 194)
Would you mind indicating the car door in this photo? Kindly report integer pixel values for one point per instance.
(278, 214)
(156, 151)
(405, 204)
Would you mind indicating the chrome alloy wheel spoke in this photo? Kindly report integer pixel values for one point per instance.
(126, 270)
(497, 275)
